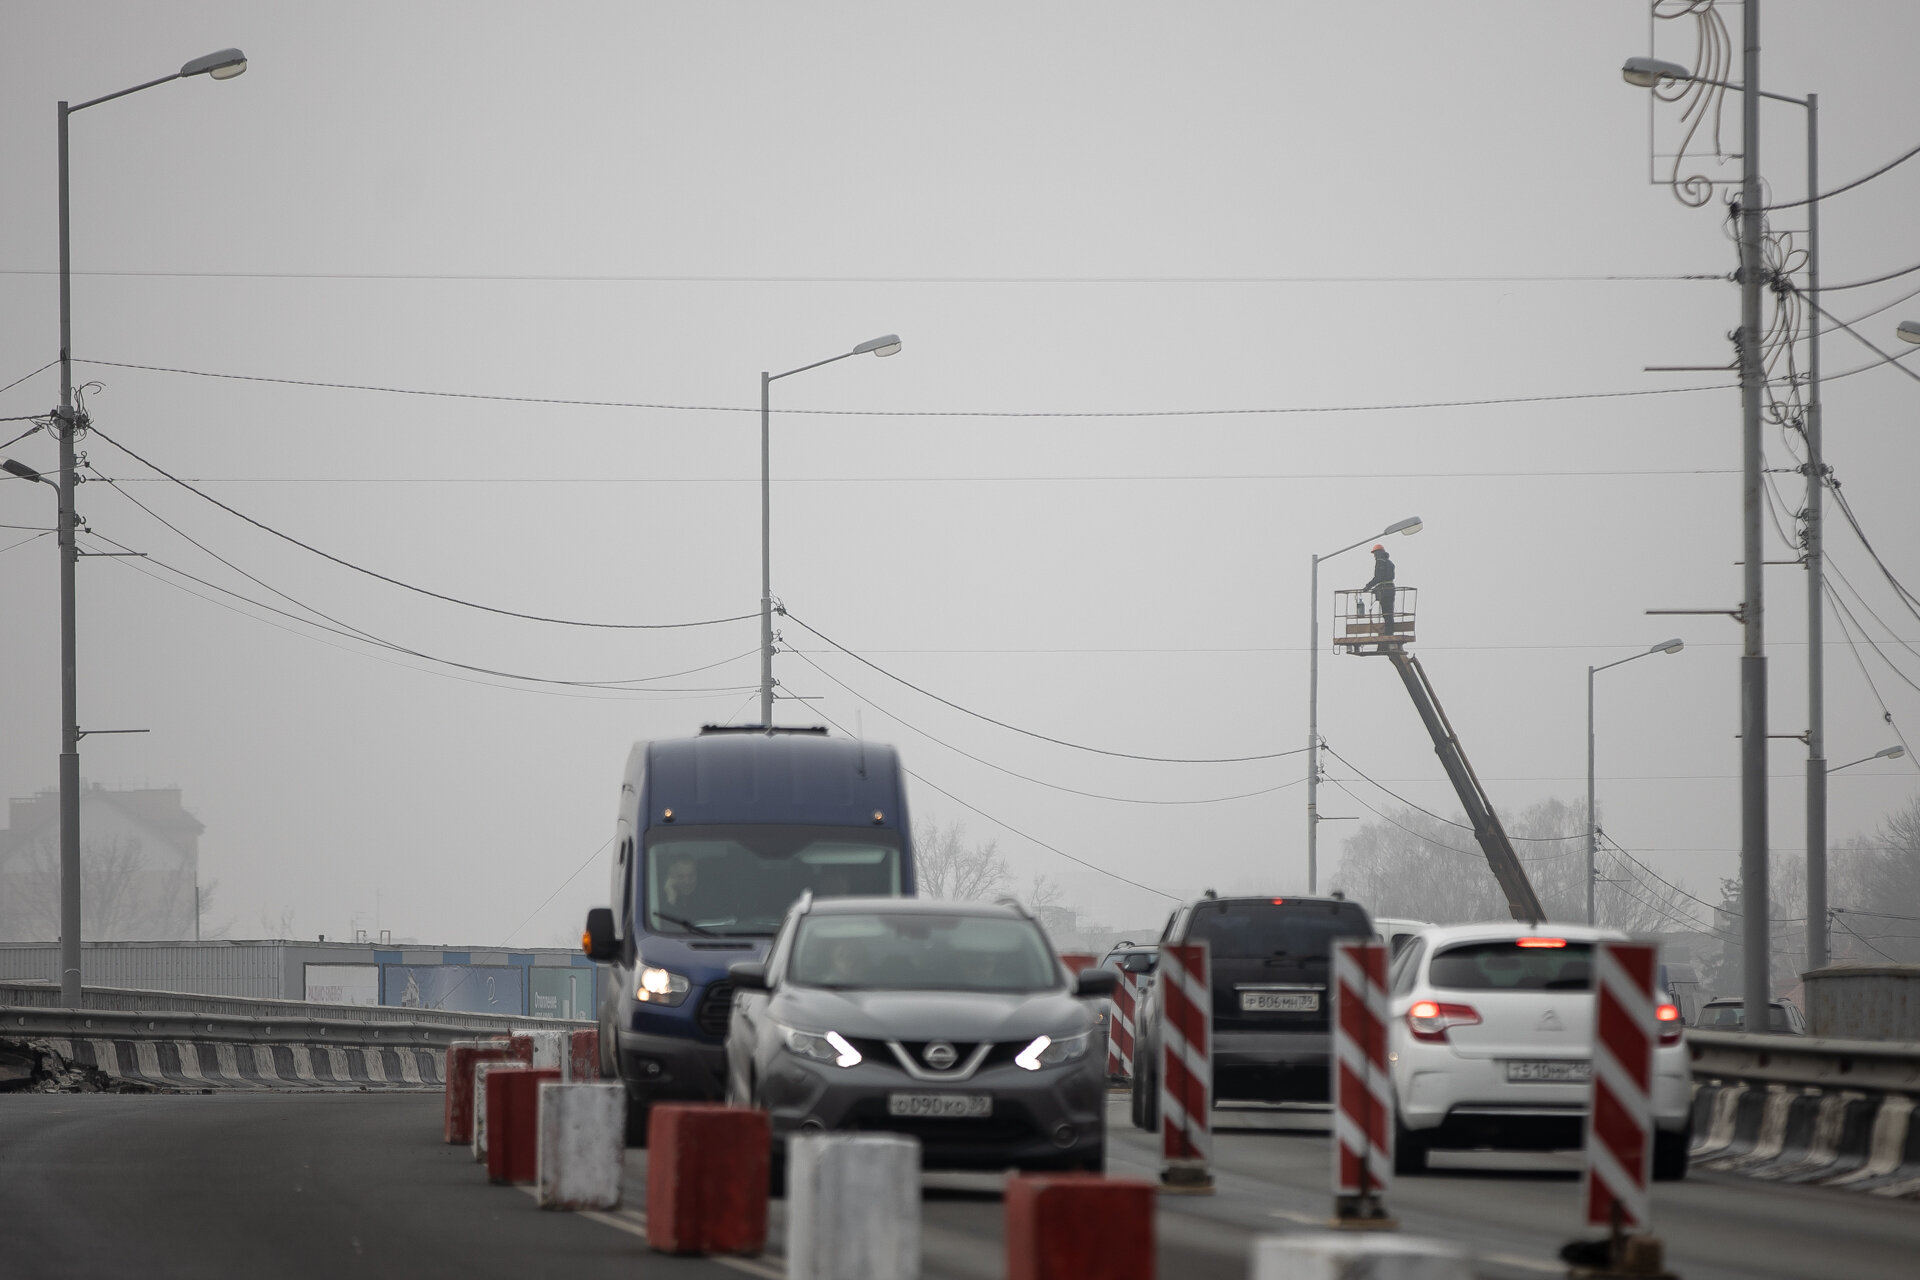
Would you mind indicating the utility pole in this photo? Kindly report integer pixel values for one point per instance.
(1816, 574)
(66, 427)
(1756, 987)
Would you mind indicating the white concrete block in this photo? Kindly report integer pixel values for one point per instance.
(550, 1049)
(583, 1145)
(480, 1072)
(1358, 1255)
(853, 1207)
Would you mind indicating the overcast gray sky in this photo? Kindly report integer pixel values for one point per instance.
(1095, 226)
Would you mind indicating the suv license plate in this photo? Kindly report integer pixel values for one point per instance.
(941, 1106)
(1279, 1002)
(1557, 1072)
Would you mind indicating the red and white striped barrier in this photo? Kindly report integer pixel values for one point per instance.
(1186, 1065)
(1362, 1087)
(1120, 1028)
(1620, 1132)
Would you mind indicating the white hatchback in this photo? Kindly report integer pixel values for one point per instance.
(1491, 1041)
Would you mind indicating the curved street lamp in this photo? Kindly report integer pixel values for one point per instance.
(1410, 526)
(887, 344)
(1593, 825)
(1884, 753)
(223, 65)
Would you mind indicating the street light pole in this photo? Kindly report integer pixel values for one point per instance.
(1409, 526)
(223, 65)
(1816, 572)
(886, 345)
(1593, 824)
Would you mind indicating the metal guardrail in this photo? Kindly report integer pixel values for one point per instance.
(1864, 1065)
(114, 1024)
(27, 996)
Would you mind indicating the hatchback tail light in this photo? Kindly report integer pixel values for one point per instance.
(1670, 1028)
(1429, 1020)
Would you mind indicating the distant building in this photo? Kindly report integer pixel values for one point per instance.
(139, 867)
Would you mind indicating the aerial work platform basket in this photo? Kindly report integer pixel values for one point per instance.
(1372, 621)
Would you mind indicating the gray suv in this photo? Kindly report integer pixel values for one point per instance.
(954, 1022)
(1271, 968)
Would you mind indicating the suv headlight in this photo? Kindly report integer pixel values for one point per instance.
(821, 1046)
(1048, 1052)
(661, 986)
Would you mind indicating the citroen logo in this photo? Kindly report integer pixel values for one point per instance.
(1549, 1021)
(940, 1055)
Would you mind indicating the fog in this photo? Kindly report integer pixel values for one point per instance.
(477, 298)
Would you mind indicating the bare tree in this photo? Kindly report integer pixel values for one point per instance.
(123, 896)
(947, 866)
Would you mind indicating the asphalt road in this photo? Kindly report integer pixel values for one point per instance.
(331, 1185)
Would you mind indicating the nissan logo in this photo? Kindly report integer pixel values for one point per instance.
(940, 1055)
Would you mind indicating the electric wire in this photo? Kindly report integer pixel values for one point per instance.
(998, 822)
(1483, 402)
(1062, 742)
(36, 373)
(549, 278)
(1477, 855)
(1856, 933)
(1886, 715)
(1861, 284)
(1011, 773)
(1430, 813)
(22, 436)
(1888, 306)
(1885, 357)
(389, 644)
(24, 541)
(1828, 195)
(556, 893)
(348, 564)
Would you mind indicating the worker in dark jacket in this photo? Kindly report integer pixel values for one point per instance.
(1382, 585)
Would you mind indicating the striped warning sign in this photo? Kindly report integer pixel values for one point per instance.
(1362, 1088)
(1620, 1134)
(1120, 1028)
(1186, 1064)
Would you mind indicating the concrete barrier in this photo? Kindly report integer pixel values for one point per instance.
(513, 1122)
(853, 1207)
(1782, 1133)
(197, 1063)
(707, 1178)
(543, 1048)
(1070, 1225)
(1340, 1255)
(582, 1145)
(462, 1056)
(481, 1070)
(583, 1053)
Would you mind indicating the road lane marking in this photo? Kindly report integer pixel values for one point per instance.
(634, 1222)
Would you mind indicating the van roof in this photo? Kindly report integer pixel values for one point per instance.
(774, 777)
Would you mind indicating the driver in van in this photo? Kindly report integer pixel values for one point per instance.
(677, 891)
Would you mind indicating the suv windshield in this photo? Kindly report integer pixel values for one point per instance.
(1261, 928)
(1516, 964)
(741, 879)
(916, 951)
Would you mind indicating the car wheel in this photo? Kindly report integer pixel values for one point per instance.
(1146, 1101)
(777, 1173)
(1094, 1161)
(1670, 1155)
(1409, 1150)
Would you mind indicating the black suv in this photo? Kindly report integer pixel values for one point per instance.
(1272, 962)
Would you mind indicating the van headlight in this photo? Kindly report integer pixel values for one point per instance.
(1045, 1051)
(821, 1046)
(661, 986)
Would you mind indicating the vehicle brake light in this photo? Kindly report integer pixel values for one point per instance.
(1541, 942)
(1428, 1020)
(1279, 902)
(1670, 1028)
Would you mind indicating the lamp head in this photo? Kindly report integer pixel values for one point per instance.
(1668, 646)
(20, 469)
(1889, 753)
(886, 345)
(224, 65)
(1909, 330)
(1648, 73)
(1411, 525)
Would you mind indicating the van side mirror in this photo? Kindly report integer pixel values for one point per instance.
(597, 942)
(748, 975)
(1095, 982)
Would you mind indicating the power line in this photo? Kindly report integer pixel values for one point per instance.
(1061, 742)
(1111, 875)
(1157, 478)
(348, 564)
(1856, 933)
(23, 435)
(1052, 786)
(1885, 714)
(1861, 284)
(24, 541)
(1436, 817)
(1483, 402)
(546, 278)
(556, 893)
(1795, 204)
(23, 377)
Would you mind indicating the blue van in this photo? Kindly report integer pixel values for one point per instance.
(716, 836)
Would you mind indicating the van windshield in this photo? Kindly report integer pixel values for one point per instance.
(740, 880)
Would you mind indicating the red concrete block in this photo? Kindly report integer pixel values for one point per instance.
(461, 1055)
(1063, 1226)
(513, 1123)
(583, 1055)
(707, 1178)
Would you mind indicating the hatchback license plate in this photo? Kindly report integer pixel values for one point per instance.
(1279, 1002)
(940, 1106)
(1553, 1072)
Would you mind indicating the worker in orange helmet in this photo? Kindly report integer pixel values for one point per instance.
(1382, 585)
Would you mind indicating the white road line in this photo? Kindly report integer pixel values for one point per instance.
(634, 1222)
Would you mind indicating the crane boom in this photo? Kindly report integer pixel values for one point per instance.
(1521, 900)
